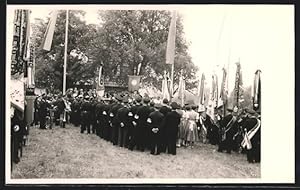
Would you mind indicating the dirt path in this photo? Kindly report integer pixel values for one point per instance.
(65, 153)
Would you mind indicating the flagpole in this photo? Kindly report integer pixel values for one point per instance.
(65, 54)
(172, 79)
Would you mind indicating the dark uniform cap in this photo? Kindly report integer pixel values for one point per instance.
(194, 107)
(146, 100)
(174, 105)
(165, 101)
(138, 99)
(152, 104)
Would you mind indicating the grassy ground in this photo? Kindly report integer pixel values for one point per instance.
(65, 153)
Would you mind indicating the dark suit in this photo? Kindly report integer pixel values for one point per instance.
(155, 122)
(133, 130)
(85, 116)
(164, 110)
(142, 129)
(229, 127)
(123, 126)
(172, 121)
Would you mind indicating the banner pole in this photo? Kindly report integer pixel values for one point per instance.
(65, 55)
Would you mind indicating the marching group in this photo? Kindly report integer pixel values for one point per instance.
(133, 122)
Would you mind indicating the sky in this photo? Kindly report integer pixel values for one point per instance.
(220, 35)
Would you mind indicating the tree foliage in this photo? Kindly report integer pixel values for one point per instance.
(121, 40)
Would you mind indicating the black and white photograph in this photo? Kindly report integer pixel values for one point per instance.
(148, 94)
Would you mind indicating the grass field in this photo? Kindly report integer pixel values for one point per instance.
(65, 153)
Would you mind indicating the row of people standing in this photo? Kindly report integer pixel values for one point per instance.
(138, 124)
(143, 125)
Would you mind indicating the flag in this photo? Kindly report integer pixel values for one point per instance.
(238, 87)
(170, 53)
(100, 85)
(257, 91)
(181, 90)
(46, 45)
(165, 89)
(133, 83)
(214, 97)
(201, 95)
(223, 93)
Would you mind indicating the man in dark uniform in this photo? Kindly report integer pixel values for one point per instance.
(106, 120)
(43, 112)
(124, 123)
(99, 118)
(212, 130)
(155, 122)
(133, 118)
(251, 141)
(165, 109)
(114, 120)
(229, 127)
(172, 121)
(142, 126)
(85, 115)
(93, 103)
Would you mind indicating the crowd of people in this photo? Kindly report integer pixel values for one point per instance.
(135, 122)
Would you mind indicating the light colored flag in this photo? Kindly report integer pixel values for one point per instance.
(165, 89)
(170, 53)
(257, 91)
(181, 92)
(201, 95)
(46, 45)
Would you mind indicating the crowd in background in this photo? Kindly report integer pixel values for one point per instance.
(142, 123)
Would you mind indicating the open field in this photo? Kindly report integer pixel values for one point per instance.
(65, 153)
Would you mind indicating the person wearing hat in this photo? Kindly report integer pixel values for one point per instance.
(229, 127)
(133, 120)
(123, 123)
(106, 119)
(43, 111)
(172, 121)
(114, 119)
(155, 122)
(251, 142)
(143, 132)
(165, 109)
(85, 115)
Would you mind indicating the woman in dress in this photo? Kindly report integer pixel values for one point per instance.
(182, 128)
(192, 133)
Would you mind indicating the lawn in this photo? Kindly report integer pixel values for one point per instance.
(66, 153)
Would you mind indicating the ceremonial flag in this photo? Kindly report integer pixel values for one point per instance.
(46, 45)
(201, 95)
(181, 91)
(214, 96)
(133, 83)
(238, 89)
(165, 89)
(170, 53)
(223, 94)
(100, 85)
(257, 91)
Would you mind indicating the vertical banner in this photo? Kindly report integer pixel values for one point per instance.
(165, 89)
(223, 93)
(46, 45)
(134, 83)
(201, 96)
(181, 90)
(238, 89)
(257, 92)
(170, 53)
(100, 84)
